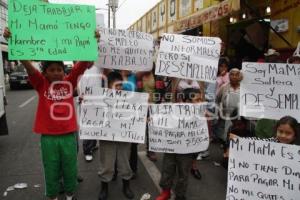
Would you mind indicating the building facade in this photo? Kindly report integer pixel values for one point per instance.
(248, 27)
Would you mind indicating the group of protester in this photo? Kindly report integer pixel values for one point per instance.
(58, 137)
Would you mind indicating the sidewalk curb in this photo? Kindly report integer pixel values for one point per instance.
(152, 170)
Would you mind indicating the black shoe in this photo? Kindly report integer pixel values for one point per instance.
(126, 190)
(104, 191)
(196, 173)
(79, 179)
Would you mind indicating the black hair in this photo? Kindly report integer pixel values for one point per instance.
(189, 94)
(46, 64)
(292, 59)
(293, 123)
(113, 77)
(223, 61)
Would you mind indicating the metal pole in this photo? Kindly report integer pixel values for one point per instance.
(108, 15)
(114, 17)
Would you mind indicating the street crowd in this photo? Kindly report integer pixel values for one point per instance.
(59, 143)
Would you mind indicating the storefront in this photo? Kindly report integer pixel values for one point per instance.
(285, 18)
(244, 26)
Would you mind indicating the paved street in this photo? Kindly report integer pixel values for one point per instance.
(21, 162)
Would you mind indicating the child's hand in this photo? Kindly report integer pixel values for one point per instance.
(232, 136)
(6, 33)
(80, 99)
(226, 153)
(97, 35)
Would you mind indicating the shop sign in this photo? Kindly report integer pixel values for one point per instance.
(279, 7)
(209, 14)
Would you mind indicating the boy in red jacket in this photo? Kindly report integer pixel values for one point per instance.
(55, 121)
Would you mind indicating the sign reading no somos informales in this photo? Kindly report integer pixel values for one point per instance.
(189, 57)
(44, 31)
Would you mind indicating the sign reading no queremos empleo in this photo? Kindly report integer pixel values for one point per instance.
(125, 50)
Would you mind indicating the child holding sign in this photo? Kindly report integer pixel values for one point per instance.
(287, 131)
(178, 163)
(112, 152)
(240, 127)
(56, 122)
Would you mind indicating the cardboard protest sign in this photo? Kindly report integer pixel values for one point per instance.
(189, 57)
(263, 170)
(44, 31)
(178, 128)
(80, 2)
(270, 90)
(90, 81)
(114, 116)
(125, 49)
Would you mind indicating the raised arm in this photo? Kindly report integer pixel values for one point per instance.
(26, 63)
(29, 67)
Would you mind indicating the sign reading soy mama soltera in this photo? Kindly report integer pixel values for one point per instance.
(45, 31)
(188, 57)
(125, 50)
(270, 90)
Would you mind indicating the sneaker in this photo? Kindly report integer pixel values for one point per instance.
(199, 157)
(205, 154)
(88, 158)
